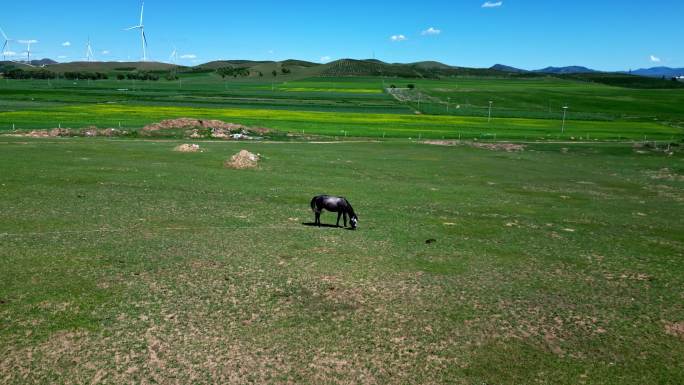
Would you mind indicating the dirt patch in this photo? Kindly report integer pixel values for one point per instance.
(188, 148)
(675, 329)
(508, 147)
(189, 123)
(70, 132)
(217, 129)
(666, 174)
(242, 160)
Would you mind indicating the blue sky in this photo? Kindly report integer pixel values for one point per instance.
(607, 35)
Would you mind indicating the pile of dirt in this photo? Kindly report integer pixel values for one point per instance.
(188, 148)
(190, 123)
(508, 147)
(198, 128)
(242, 160)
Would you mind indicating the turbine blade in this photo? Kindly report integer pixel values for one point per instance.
(144, 37)
(131, 28)
(3, 34)
(142, 9)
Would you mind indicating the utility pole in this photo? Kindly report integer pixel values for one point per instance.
(489, 117)
(565, 111)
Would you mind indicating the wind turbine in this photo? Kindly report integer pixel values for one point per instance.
(28, 49)
(141, 27)
(174, 55)
(5, 44)
(89, 51)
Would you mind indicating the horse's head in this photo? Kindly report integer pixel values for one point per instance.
(354, 221)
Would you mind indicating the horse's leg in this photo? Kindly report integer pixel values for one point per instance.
(318, 218)
(345, 219)
(339, 214)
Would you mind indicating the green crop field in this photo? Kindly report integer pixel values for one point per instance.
(125, 262)
(457, 107)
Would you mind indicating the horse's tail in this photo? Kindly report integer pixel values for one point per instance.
(313, 204)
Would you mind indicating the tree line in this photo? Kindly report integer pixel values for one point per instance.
(43, 74)
(20, 74)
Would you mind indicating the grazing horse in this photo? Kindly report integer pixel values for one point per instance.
(337, 205)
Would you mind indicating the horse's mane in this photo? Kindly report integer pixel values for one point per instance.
(351, 209)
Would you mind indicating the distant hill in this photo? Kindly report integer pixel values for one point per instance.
(659, 72)
(565, 70)
(35, 63)
(293, 69)
(351, 67)
(232, 63)
(430, 65)
(109, 66)
(624, 80)
(428, 69)
(505, 68)
(42, 62)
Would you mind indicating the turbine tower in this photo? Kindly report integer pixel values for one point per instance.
(141, 27)
(28, 49)
(5, 45)
(174, 55)
(89, 51)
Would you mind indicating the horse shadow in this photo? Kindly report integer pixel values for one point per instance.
(312, 224)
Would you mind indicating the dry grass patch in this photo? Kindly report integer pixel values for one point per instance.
(507, 147)
(675, 329)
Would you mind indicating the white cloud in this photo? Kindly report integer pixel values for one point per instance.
(62, 57)
(189, 56)
(27, 41)
(325, 59)
(66, 44)
(398, 38)
(271, 52)
(105, 52)
(492, 4)
(9, 53)
(431, 31)
(655, 59)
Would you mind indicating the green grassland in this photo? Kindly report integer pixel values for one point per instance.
(125, 262)
(523, 108)
(544, 98)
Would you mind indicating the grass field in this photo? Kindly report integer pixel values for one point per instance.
(348, 124)
(523, 109)
(124, 262)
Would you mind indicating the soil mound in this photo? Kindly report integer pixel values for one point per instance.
(189, 123)
(242, 160)
(199, 128)
(188, 148)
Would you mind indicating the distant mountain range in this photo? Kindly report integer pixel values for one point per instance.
(566, 70)
(547, 70)
(352, 67)
(657, 72)
(35, 63)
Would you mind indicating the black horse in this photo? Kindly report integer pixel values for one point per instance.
(337, 205)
